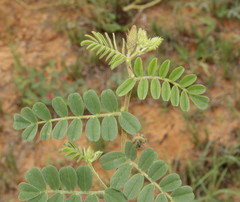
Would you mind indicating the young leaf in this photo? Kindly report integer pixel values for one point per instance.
(121, 176)
(109, 128)
(30, 132)
(175, 96)
(183, 194)
(75, 130)
(166, 91)
(93, 129)
(68, 177)
(184, 101)
(147, 193)
(35, 178)
(200, 101)
(142, 89)
(41, 111)
(46, 131)
(171, 182)
(147, 158)
(155, 89)
(27, 192)
(133, 186)
(125, 87)
(60, 107)
(85, 180)
(112, 160)
(129, 123)
(196, 89)
(188, 80)
(164, 68)
(130, 151)
(20, 122)
(75, 198)
(60, 129)
(109, 100)
(176, 73)
(28, 114)
(92, 198)
(161, 198)
(157, 170)
(92, 102)
(111, 195)
(76, 104)
(51, 177)
(56, 198)
(152, 67)
(138, 67)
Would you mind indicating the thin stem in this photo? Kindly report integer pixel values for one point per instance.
(98, 177)
(134, 5)
(75, 192)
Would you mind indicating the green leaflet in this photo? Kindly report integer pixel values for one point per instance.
(133, 186)
(30, 132)
(27, 191)
(196, 89)
(60, 129)
(138, 67)
(75, 198)
(147, 158)
(142, 89)
(92, 198)
(46, 131)
(51, 177)
(188, 80)
(35, 178)
(20, 122)
(112, 160)
(111, 195)
(152, 67)
(155, 89)
(161, 198)
(56, 198)
(60, 106)
(184, 101)
(85, 180)
(93, 129)
(175, 96)
(68, 177)
(109, 100)
(40, 198)
(28, 114)
(166, 91)
(200, 101)
(121, 176)
(76, 104)
(109, 128)
(157, 170)
(92, 102)
(183, 194)
(176, 73)
(164, 68)
(147, 194)
(129, 123)
(170, 183)
(130, 151)
(41, 111)
(125, 87)
(75, 130)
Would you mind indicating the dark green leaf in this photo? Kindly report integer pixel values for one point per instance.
(176, 73)
(93, 129)
(152, 67)
(60, 129)
(68, 177)
(188, 80)
(75, 198)
(130, 151)
(164, 68)
(112, 160)
(27, 192)
(184, 101)
(20, 122)
(133, 186)
(109, 128)
(109, 100)
(35, 178)
(138, 67)
(111, 195)
(129, 123)
(60, 106)
(175, 96)
(92, 102)
(161, 198)
(41, 111)
(142, 89)
(28, 114)
(183, 194)
(125, 87)
(56, 198)
(51, 177)
(147, 158)
(75, 130)
(46, 131)
(92, 198)
(157, 170)
(196, 89)
(170, 182)
(85, 180)
(200, 101)
(30, 132)
(76, 104)
(166, 91)
(147, 194)
(155, 89)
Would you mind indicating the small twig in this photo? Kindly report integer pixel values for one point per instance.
(136, 6)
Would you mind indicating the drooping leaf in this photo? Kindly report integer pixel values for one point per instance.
(76, 104)
(51, 177)
(92, 101)
(155, 89)
(30, 132)
(109, 128)
(188, 80)
(60, 106)
(109, 100)
(157, 170)
(121, 176)
(130, 151)
(175, 96)
(60, 129)
(161, 198)
(28, 114)
(147, 158)
(56, 198)
(133, 186)
(142, 89)
(92, 198)
(41, 111)
(164, 68)
(35, 178)
(85, 180)
(196, 89)
(125, 87)
(46, 131)
(171, 182)
(152, 67)
(166, 91)
(138, 67)
(20, 122)
(129, 123)
(200, 101)
(112, 160)
(176, 73)
(183, 194)
(75, 198)
(184, 101)
(147, 194)
(93, 129)
(75, 130)
(111, 195)
(68, 177)
(27, 191)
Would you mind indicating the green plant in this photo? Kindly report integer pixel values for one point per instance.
(142, 179)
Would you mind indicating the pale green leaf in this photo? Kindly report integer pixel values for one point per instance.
(40, 198)
(176, 73)
(130, 151)
(138, 67)
(56, 198)
(51, 177)
(125, 87)
(161, 198)
(111, 195)
(146, 159)
(60, 129)
(175, 96)
(46, 131)
(200, 101)
(85, 179)
(35, 178)
(20, 122)
(60, 106)
(155, 89)
(129, 123)
(27, 192)
(92, 102)
(166, 91)
(196, 89)
(157, 170)
(109, 128)
(30, 132)
(183, 194)
(68, 177)
(76, 104)
(188, 80)
(142, 89)
(152, 67)
(75, 198)
(92, 198)
(133, 186)
(147, 194)
(112, 160)
(164, 68)
(170, 183)
(93, 129)
(109, 100)
(41, 111)
(184, 101)
(75, 130)
(28, 114)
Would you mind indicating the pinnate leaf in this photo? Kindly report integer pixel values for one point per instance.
(176, 73)
(60, 107)
(164, 68)
(200, 101)
(93, 129)
(152, 67)
(60, 129)
(175, 96)
(109, 128)
(171, 182)
(138, 67)
(30, 132)
(161, 198)
(56, 198)
(112, 160)
(125, 87)
(157, 170)
(109, 100)
(147, 158)
(68, 177)
(133, 186)
(147, 193)
(35, 178)
(46, 131)
(51, 176)
(184, 101)
(129, 123)
(41, 111)
(76, 104)
(155, 89)
(85, 180)
(188, 80)
(92, 198)
(130, 151)
(75, 130)
(166, 91)
(20, 122)
(27, 192)
(111, 195)
(28, 114)
(142, 89)
(75, 198)
(92, 102)
(196, 89)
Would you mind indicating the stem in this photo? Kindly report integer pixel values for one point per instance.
(134, 5)
(98, 177)
(75, 192)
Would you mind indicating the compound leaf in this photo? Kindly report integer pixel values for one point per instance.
(30, 132)
(155, 89)
(111, 195)
(76, 104)
(68, 177)
(171, 182)
(175, 96)
(130, 151)
(20, 122)
(142, 89)
(188, 80)
(92, 102)
(183, 194)
(56, 198)
(27, 192)
(125, 87)
(133, 186)
(164, 68)
(166, 91)
(46, 131)
(147, 194)
(109, 128)
(35, 178)
(176, 73)
(196, 89)
(60, 106)
(138, 67)
(112, 160)
(28, 114)
(93, 129)
(200, 101)
(184, 101)
(129, 123)
(51, 177)
(60, 129)
(41, 111)
(40, 198)
(85, 180)
(147, 158)
(157, 170)
(75, 130)
(152, 67)
(109, 100)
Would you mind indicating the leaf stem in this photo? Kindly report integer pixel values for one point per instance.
(75, 192)
(96, 174)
